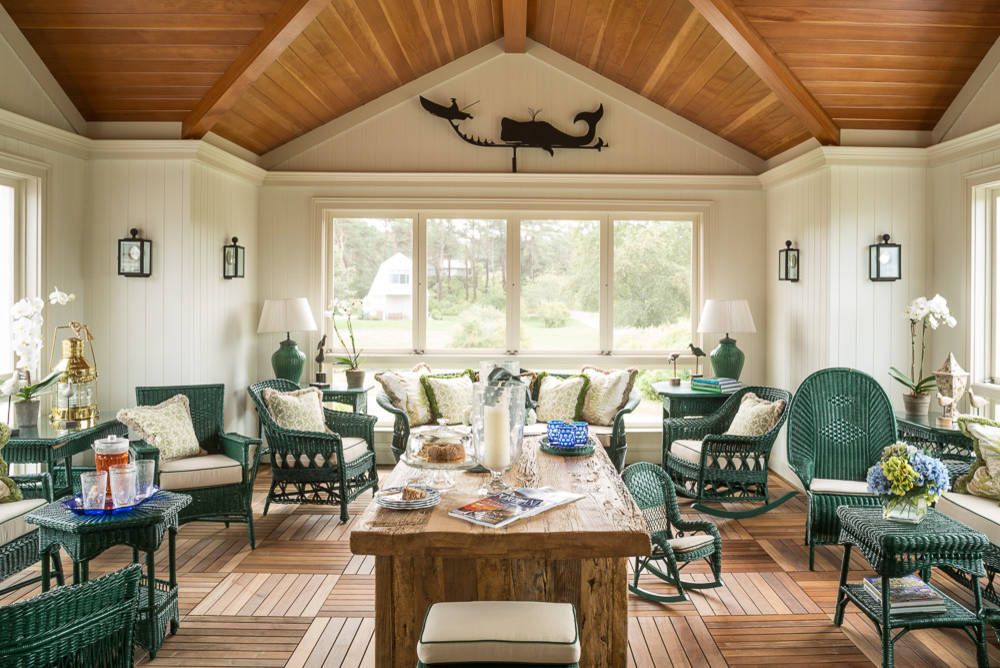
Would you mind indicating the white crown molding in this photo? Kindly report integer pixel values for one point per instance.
(980, 141)
(42, 134)
(844, 156)
(794, 168)
(969, 92)
(134, 129)
(790, 154)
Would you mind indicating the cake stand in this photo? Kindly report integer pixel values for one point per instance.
(438, 475)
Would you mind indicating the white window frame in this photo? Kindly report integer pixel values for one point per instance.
(984, 282)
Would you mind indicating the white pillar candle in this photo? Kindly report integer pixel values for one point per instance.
(496, 428)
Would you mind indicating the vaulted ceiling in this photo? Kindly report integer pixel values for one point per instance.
(764, 74)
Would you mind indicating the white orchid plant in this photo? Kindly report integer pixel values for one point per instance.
(26, 339)
(922, 313)
(347, 308)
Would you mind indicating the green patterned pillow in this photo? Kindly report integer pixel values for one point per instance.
(755, 416)
(299, 410)
(561, 398)
(608, 394)
(449, 394)
(983, 478)
(406, 393)
(9, 491)
(166, 426)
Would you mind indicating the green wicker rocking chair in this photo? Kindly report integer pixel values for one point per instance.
(674, 544)
(331, 468)
(229, 502)
(710, 465)
(90, 624)
(838, 424)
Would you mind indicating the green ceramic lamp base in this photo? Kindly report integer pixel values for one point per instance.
(288, 361)
(727, 359)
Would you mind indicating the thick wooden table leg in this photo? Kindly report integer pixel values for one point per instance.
(384, 614)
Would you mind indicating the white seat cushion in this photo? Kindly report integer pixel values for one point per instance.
(354, 447)
(601, 433)
(689, 450)
(198, 472)
(846, 487)
(688, 543)
(12, 524)
(973, 511)
(500, 632)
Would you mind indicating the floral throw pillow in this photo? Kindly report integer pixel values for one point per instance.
(449, 395)
(983, 478)
(755, 416)
(608, 394)
(300, 410)
(561, 398)
(406, 393)
(166, 426)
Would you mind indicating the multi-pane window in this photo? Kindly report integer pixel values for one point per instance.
(7, 268)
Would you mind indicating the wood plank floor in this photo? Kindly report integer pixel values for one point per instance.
(302, 599)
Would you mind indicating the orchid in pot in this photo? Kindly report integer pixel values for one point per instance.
(26, 339)
(348, 308)
(922, 313)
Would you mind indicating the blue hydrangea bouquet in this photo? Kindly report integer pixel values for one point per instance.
(908, 481)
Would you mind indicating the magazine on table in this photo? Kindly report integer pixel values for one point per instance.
(499, 510)
(907, 594)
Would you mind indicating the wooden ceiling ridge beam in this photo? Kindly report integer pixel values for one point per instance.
(276, 35)
(761, 58)
(515, 25)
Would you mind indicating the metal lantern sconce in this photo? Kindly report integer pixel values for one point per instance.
(233, 260)
(135, 256)
(885, 261)
(788, 263)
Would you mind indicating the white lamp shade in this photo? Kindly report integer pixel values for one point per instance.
(286, 315)
(726, 316)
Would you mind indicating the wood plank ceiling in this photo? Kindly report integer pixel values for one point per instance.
(765, 74)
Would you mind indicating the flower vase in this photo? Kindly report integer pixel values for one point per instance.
(355, 378)
(917, 404)
(905, 509)
(26, 413)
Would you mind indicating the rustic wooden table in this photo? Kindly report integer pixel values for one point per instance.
(575, 553)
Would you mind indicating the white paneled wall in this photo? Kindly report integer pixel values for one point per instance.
(20, 92)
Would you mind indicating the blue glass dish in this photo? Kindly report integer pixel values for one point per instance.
(76, 505)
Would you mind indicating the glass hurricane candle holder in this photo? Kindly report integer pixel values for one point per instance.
(498, 426)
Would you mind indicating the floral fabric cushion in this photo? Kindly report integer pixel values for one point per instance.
(406, 392)
(561, 398)
(755, 416)
(449, 394)
(983, 478)
(300, 410)
(166, 426)
(608, 394)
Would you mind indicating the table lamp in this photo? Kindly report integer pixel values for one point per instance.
(729, 316)
(287, 315)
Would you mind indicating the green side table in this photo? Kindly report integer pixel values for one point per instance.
(681, 401)
(84, 537)
(948, 444)
(355, 397)
(895, 550)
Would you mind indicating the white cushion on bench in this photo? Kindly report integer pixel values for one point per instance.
(973, 511)
(499, 631)
(843, 487)
(12, 524)
(199, 472)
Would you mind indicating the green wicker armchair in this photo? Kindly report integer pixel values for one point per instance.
(310, 467)
(676, 542)
(90, 624)
(718, 466)
(210, 502)
(838, 424)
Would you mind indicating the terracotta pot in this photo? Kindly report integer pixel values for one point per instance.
(916, 404)
(26, 413)
(355, 378)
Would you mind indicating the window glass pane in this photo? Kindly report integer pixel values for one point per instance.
(6, 276)
(560, 285)
(466, 275)
(370, 257)
(652, 286)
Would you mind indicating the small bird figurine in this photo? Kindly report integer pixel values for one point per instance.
(978, 404)
(697, 352)
(673, 360)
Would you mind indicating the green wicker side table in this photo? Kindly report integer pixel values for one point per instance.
(84, 537)
(355, 397)
(896, 550)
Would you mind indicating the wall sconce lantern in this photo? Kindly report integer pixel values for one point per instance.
(233, 260)
(135, 256)
(788, 263)
(884, 261)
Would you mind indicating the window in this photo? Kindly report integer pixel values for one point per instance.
(984, 316)
(7, 264)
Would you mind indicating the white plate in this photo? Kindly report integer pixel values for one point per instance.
(392, 498)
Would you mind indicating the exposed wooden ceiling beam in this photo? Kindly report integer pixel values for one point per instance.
(748, 43)
(515, 25)
(285, 26)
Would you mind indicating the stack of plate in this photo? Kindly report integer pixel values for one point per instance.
(392, 498)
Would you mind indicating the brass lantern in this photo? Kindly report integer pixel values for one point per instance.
(75, 403)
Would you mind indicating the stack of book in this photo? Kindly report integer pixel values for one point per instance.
(715, 385)
(907, 596)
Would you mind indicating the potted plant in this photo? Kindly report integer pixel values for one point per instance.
(922, 313)
(908, 481)
(26, 337)
(352, 354)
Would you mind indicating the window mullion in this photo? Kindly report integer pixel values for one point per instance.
(513, 286)
(607, 269)
(419, 289)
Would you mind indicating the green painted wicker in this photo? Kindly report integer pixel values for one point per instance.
(732, 468)
(223, 503)
(421, 664)
(653, 491)
(951, 446)
(895, 549)
(838, 424)
(323, 478)
(22, 552)
(90, 625)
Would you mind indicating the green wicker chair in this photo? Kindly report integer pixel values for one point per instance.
(309, 467)
(722, 467)
(674, 546)
(230, 502)
(90, 624)
(838, 424)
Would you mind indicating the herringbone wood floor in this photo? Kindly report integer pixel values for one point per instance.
(302, 599)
